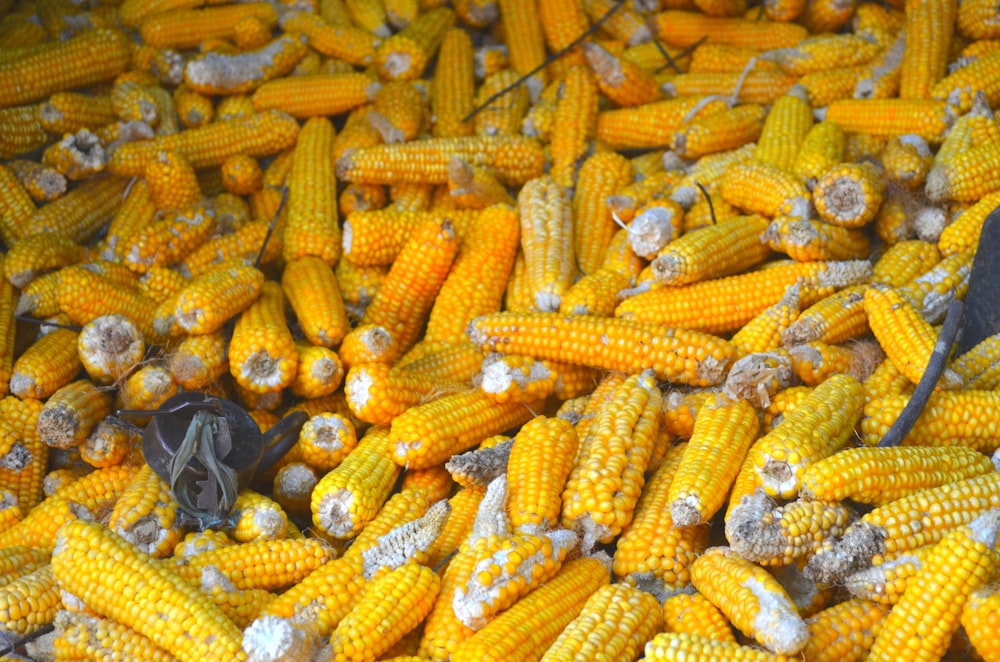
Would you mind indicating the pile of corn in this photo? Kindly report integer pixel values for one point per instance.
(597, 372)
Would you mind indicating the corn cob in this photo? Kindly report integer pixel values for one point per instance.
(821, 149)
(29, 602)
(624, 82)
(262, 353)
(651, 124)
(961, 563)
(736, 246)
(726, 304)
(216, 73)
(79, 214)
(920, 71)
(765, 189)
(535, 487)
(268, 564)
(927, 118)
(92, 57)
(845, 631)
(676, 646)
(697, 493)
(886, 582)
(188, 28)
(71, 413)
(684, 28)
(574, 124)
(936, 425)
(765, 331)
(692, 613)
(979, 621)
(575, 582)
(22, 467)
(342, 41)
(503, 115)
(887, 531)
(405, 55)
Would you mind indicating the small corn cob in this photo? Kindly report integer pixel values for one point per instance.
(979, 616)
(394, 604)
(709, 467)
(312, 291)
(514, 159)
(199, 360)
(736, 246)
(430, 433)
(454, 86)
(932, 292)
(574, 125)
(316, 94)
(146, 515)
(927, 118)
(165, 241)
(765, 189)
(109, 347)
(886, 582)
(81, 213)
(161, 283)
(172, 182)
(849, 195)
(845, 631)
(320, 371)
(29, 602)
(922, 68)
(651, 124)
(594, 294)
(764, 332)
(503, 115)
(262, 355)
(535, 484)
(814, 362)
(292, 487)
(719, 132)
(194, 110)
(257, 517)
(42, 182)
(399, 111)
(624, 82)
(616, 620)
(755, 603)
(188, 28)
(821, 149)
(547, 240)
(258, 135)
(978, 367)
(405, 55)
(817, 428)
(544, 618)
(91, 57)
(907, 339)
(762, 532)
(785, 129)
(71, 413)
(111, 442)
(677, 646)
(937, 425)
(907, 159)
(267, 564)
(668, 352)
(147, 388)
(348, 497)
(692, 613)
(325, 441)
(88, 562)
(68, 112)
(85, 296)
(600, 175)
(22, 468)
(888, 531)
(726, 304)
(474, 188)
(808, 240)
(343, 41)
(961, 563)
(47, 365)
(377, 393)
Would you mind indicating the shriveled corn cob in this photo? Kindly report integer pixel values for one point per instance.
(931, 292)
(765, 331)
(405, 55)
(886, 582)
(71, 413)
(109, 347)
(215, 73)
(978, 367)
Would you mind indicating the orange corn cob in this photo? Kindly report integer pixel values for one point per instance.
(624, 82)
(845, 631)
(831, 320)
(503, 115)
(188, 28)
(922, 68)
(15, 206)
(683, 28)
(262, 351)
(454, 86)
(68, 112)
(48, 364)
(320, 371)
(71, 413)
(735, 246)
(927, 118)
(81, 213)
(475, 188)
(593, 227)
(405, 55)
(651, 124)
(42, 182)
(692, 613)
(343, 41)
(213, 73)
(91, 57)
(312, 291)
(21, 131)
(574, 124)
(756, 87)
(199, 361)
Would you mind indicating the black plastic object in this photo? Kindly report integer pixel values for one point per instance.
(222, 448)
(983, 298)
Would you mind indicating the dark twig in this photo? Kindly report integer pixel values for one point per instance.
(953, 323)
(708, 199)
(670, 61)
(40, 632)
(573, 44)
(32, 320)
(270, 228)
(684, 53)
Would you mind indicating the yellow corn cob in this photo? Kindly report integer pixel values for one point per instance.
(978, 367)
(71, 413)
(76, 156)
(961, 563)
(474, 188)
(68, 112)
(188, 28)
(262, 352)
(47, 365)
(692, 613)
(600, 495)
(377, 393)
(502, 116)
(199, 360)
(241, 174)
(593, 226)
(905, 261)
(406, 507)
(343, 41)
(922, 68)
(257, 517)
(808, 240)
(814, 362)
(40, 297)
(651, 124)
(214, 73)
(845, 631)
(81, 213)
(312, 291)
(888, 531)
(907, 160)
(824, 52)
(15, 206)
(160, 283)
(147, 388)
(405, 55)
(362, 197)
(194, 110)
(676, 646)
(436, 482)
(514, 159)
(765, 331)
(146, 515)
(454, 86)
(19, 560)
(348, 497)
(544, 618)
(111, 442)
(937, 425)
(683, 28)
(906, 338)
(133, 102)
(261, 134)
(616, 620)
(29, 602)
(22, 468)
(785, 129)
(267, 564)
(394, 604)
(166, 241)
(755, 603)
(456, 363)
(325, 440)
(624, 82)
(735, 246)
(962, 235)
(821, 149)
(765, 189)
(547, 241)
(708, 467)
(399, 111)
(534, 483)
(831, 320)
(172, 182)
(817, 428)
(594, 294)
(927, 118)
(320, 371)
(625, 25)
(42, 182)
(885, 583)
(719, 132)
(241, 607)
(886, 380)
(979, 615)
(711, 57)
(88, 562)
(110, 346)
(756, 87)
(726, 304)
(311, 226)
(22, 132)
(931, 292)
(91, 57)
(210, 300)
(429, 434)
(574, 125)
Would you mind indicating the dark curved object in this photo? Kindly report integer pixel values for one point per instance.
(982, 301)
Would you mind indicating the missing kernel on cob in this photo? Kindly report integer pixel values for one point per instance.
(595, 313)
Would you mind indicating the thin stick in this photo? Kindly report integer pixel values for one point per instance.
(684, 53)
(32, 320)
(549, 60)
(270, 228)
(952, 327)
(708, 199)
(40, 632)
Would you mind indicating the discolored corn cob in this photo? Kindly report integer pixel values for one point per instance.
(692, 613)
(88, 562)
(961, 563)
(726, 304)
(262, 355)
(343, 41)
(199, 360)
(109, 347)
(215, 73)
(474, 188)
(514, 159)
(71, 413)
(850, 194)
(91, 57)
(165, 241)
(885, 583)
(348, 497)
(111, 442)
(807, 240)
(723, 432)
(765, 331)
(978, 367)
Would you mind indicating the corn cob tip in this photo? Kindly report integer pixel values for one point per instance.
(938, 184)
(985, 528)
(844, 273)
(279, 640)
